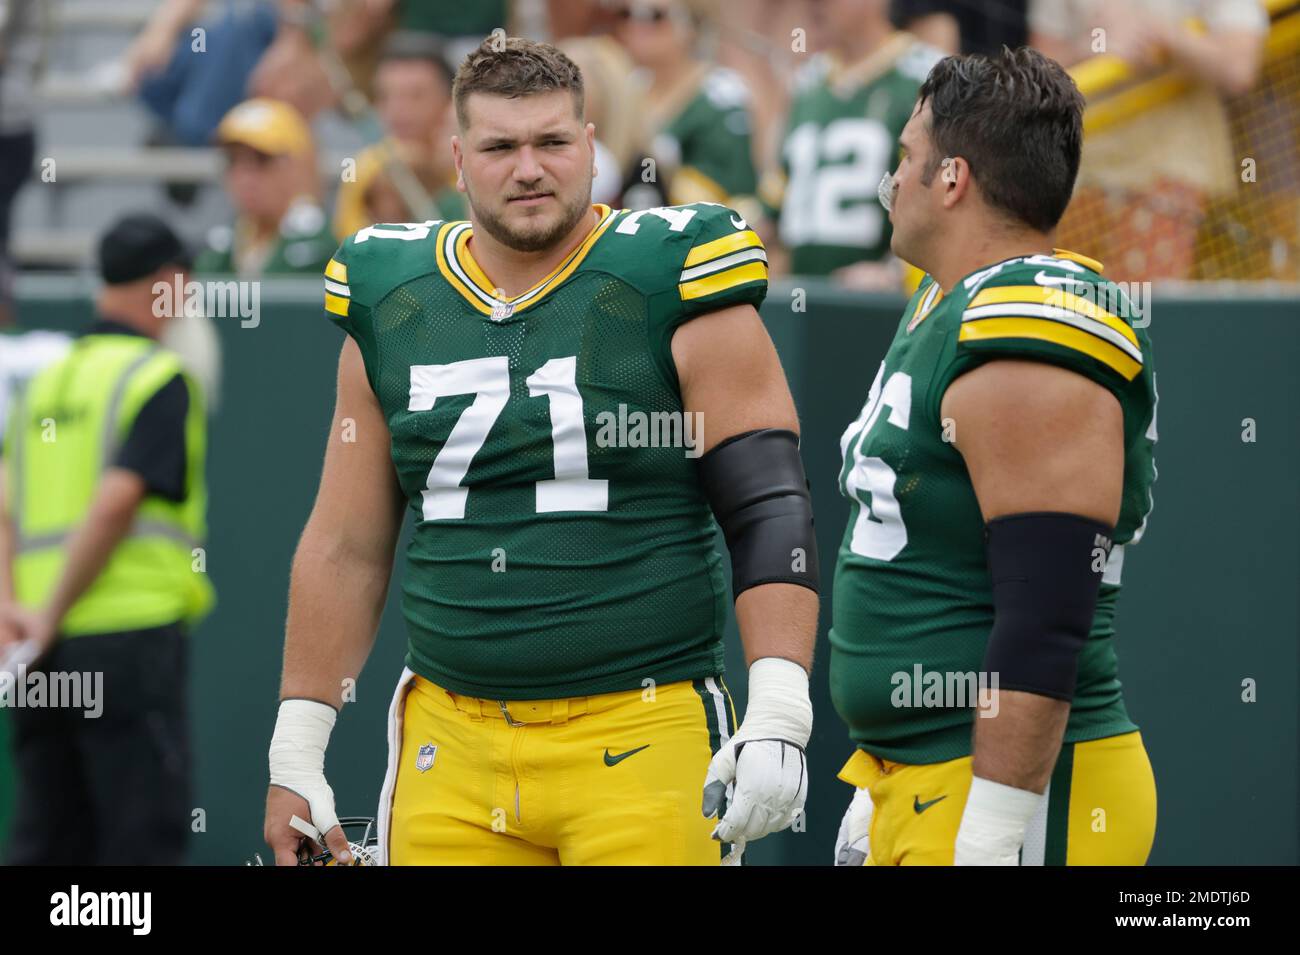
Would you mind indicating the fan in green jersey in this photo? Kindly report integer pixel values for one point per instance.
(1000, 467)
(529, 387)
(697, 114)
(281, 228)
(849, 106)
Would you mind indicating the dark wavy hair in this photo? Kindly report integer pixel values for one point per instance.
(1017, 119)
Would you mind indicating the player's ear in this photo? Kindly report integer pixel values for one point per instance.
(954, 172)
(458, 160)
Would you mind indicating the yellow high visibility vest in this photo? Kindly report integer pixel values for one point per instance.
(64, 431)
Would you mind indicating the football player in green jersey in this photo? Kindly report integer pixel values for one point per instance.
(562, 701)
(1001, 465)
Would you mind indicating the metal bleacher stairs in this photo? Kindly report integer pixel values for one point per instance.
(94, 137)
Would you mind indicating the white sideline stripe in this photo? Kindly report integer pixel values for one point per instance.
(720, 707)
(395, 711)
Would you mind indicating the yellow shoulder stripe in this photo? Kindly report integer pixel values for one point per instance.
(1046, 330)
(336, 304)
(721, 281)
(1081, 259)
(1043, 295)
(337, 271)
(728, 243)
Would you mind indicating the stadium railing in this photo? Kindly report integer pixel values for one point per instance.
(1251, 229)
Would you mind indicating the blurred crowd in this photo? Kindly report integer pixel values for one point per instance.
(788, 110)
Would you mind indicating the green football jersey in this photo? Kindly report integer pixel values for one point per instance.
(913, 605)
(562, 543)
(708, 142)
(841, 139)
(302, 247)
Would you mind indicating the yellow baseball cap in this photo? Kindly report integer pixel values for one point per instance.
(267, 125)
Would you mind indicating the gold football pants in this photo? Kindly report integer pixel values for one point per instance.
(1100, 807)
(612, 779)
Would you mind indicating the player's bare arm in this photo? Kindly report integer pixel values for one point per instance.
(337, 589)
(1038, 440)
(731, 376)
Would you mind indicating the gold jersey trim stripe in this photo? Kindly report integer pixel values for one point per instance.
(452, 278)
(721, 281)
(336, 304)
(932, 297)
(1081, 259)
(1058, 297)
(1046, 330)
(337, 271)
(725, 246)
(483, 285)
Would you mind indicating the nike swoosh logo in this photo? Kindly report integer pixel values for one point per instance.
(921, 807)
(1042, 278)
(742, 224)
(615, 760)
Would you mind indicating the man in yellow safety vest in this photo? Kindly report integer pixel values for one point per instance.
(102, 572)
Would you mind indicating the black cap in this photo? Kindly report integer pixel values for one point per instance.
(138, 245)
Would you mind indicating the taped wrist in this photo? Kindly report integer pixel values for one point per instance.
(779, 705)
(994, 822)
(756, 485)
(297, 753)
(1046, 572)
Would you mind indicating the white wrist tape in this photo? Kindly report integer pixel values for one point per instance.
(994, 822)
(779, 707)
(297, 756)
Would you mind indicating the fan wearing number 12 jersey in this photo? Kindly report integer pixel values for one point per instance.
(849, 105)
(562, 440)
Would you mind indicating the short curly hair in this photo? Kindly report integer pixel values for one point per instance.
(513, 67)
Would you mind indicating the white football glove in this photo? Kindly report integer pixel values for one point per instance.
(764, 763)
(851, 843)
(297, 756)
(993, 824)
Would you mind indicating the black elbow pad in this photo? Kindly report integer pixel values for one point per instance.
(757, 488)
(1046, 571)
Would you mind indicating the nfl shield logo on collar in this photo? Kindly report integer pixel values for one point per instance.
(501, 309)
(424, 758)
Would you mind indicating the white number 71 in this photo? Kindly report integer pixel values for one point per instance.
(488, 380)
